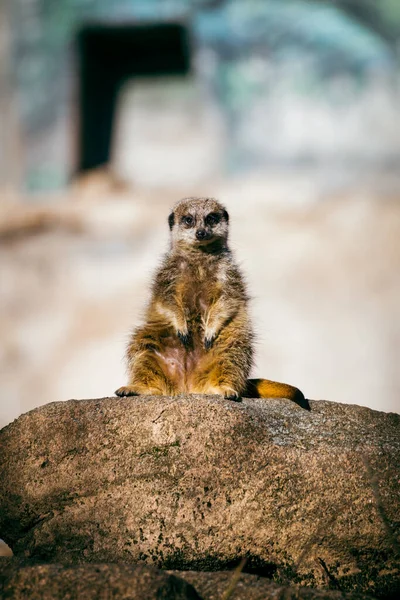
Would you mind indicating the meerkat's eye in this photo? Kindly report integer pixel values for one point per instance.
(188, 220)
(212, 219)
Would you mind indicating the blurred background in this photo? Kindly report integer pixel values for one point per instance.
(286, 110)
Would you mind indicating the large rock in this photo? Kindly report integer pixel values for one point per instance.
(310, 497)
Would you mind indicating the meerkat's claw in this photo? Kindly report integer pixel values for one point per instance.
(126, 390)
(185, 338)
(208, 342)
(231, 395)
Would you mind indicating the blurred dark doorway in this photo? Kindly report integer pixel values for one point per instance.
(108, 56)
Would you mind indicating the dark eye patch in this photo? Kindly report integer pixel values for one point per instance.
(212, 219)
(188, 220)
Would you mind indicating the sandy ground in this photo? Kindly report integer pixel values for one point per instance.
(322, 265)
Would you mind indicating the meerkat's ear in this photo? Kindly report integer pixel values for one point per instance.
(171, 220)
(225, 216)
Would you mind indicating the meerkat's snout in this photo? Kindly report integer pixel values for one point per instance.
(202, 234)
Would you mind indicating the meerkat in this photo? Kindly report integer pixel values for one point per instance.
(197, 337)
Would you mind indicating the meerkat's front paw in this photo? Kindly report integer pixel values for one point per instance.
(185, 338)
(126, 390)
(208, 342)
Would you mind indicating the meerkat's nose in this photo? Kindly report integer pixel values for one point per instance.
(201, 234)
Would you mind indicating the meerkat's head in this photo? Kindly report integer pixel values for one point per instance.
(200, 223)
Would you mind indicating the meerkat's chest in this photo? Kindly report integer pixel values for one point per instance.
(200, 286)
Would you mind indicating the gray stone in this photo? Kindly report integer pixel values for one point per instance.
(309, 497)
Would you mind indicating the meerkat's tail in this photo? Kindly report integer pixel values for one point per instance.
(264, 388)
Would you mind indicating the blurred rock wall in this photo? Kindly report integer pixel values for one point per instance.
(295, 81)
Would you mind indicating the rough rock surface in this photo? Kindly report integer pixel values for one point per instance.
(309, 497)
(91, 582)
(19, 581)
(217, 586)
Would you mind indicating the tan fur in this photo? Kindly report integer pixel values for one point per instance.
(197, 336)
